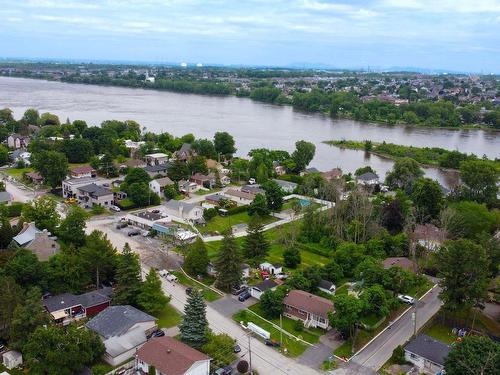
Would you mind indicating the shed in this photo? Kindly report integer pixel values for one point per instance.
(12, 359)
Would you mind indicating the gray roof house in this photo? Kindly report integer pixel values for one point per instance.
(183, 210)
(94, 195)
(368, 178)
(123, 329)
(160, 169)
(326, 286)
(286, 186)
(257, 290)
(39, 242)
(427, 353)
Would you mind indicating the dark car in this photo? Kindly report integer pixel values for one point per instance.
(237, 348)
(238, 290)
(134, 232)
(158, 333)
(121, 225)
(226, 370)
(189, 291)
(269, 342)
(244, 296)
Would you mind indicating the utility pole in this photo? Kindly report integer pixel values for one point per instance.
(281, 329)
(250, 354)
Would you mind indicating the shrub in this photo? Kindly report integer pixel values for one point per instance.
(398, 355)
(209, 214)
(298, 325)
(14, 210)
(237, 210)
(126, 204)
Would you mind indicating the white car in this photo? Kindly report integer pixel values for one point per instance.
(163, 273)
(114, 208)
(172, 278)
(406, 299)
(252, 181)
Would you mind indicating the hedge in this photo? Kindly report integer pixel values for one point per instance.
(237, 210)
(126, 204)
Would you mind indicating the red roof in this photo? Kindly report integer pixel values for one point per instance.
(82, 170)
(169, 356)
(309, 302)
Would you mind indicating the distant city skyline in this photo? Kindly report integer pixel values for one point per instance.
(455, 36)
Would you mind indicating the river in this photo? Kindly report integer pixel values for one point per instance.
(252, 124)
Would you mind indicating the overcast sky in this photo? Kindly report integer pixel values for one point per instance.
(437, 34)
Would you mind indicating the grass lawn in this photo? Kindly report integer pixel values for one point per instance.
(18, 172)
(170, 317)
(441, 333)
(294, 347)
(344, 350)
(221, 223)
(343, 289)
(310, 334)
(206, 192)
(371, 320)
(289, 204)
(208, 294)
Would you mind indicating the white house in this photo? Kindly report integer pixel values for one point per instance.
(427, 353)
(123, 330)
(273, 269)
(170, 357)
(239, 197)
(70, 186)
(156, 158)
(12, 359)
(257, 290)
(158, 186)
(327, 287)
(183, 210)
(18, 141)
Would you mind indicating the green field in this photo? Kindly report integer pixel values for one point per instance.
(170, 317)
(441, 333)
(18, 172)
(221, 223)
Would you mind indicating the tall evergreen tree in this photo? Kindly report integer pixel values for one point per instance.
(256, 245)
(152, 299)
(99, 257)
(128, 278)
(11, 295)
(72, 228)
(194, 324)
(196, 261)
(228, 264)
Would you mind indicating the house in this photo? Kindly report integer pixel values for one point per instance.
(280, 170)
(310, 309)
(168, 356)
(214, 165)
(132, 163)
(17, 141)
(133, 146)
(94, 195)
(147, 219)
(368, 179)
(257, 290)
(215, 199)
(5, 197)
(286, 186)
(85, 171)
(123, 329)
(427, 354)
(12, 359)
(20, 155)
(307, 171)
(327, 286)
(188, 187)
(155, 170)
(253, 189)
(240, 197)
(67, 308)
(70, 186)
(35, 177)
(402, 262)
(39, 242)
(206, 181)
(158, 186)
(183, 210)
(158, 158)
(429, 236)
(185, 152)
(334, 174)
(273, 269)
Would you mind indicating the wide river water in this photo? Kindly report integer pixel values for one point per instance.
(252, 124)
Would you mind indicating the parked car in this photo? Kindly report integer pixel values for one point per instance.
(406, 299)
(158, 333)
(189, 291)
(163, 273)
(238, 290)
(156, 211)
(134, 232)
(237, 348)
(251, 181)
(226, 370)
(270, 342)
(70, 201)
(121, 371)
(145, 233)
(244, 296)
(121, 224)
(172, 278)
(105, 185)
(114, 208)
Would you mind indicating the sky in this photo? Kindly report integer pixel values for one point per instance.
(454, 35)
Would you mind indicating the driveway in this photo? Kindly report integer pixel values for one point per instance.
(228, 305)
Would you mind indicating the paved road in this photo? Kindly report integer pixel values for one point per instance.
(380, 350)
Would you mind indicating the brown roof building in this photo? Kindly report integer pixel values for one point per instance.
(402, 262)
(172, 357)
(333, 174)
(429, 236)
(311, 309)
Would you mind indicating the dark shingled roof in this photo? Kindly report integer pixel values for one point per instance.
(266, 284)
(95, 190)
(117, 320)
(325, 284)
(67, 300)
(428, 348)
(157, 168)
(368, 176)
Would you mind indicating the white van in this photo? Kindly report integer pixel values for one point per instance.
(163, 273)
(172, 278)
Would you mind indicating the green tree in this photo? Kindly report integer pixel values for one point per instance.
(480, 179)
(228, 263)
(348, 255)
(224, 144)
(151, 298)
(403, 174)
(64, 351)
(48, 119)
(291, 256)
(196, 261)
(28, 316)
(219, 347)
(258, 206)
(375, 301)
(471, 220)
(256, 245)
(197, 164)
(194, 323)
(99, 257)
(128, 278)
(11, 295)
(347, 314)
(4, 155)
(303, 154)
(52, 166)
(72, 228)
(428, 199)
(271, 302)
(66, 272)
(206, 148)
(25, 268)
(43, 212)
(135, 175)
(6, 232)
(474, 355)
(170, 191)
(369, 270)
(274, 195)
(141, 195)
(332, 272)
(31, 116)
(178, 170)
(463, 267)
(77, 150)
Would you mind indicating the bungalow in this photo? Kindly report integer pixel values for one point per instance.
(158, 158)
(402, 262)
(123, 330)
(327, 286)
(155, 170)
(67, 308)
(188, 187)
(39, 242)
(17, 141)
(334, 174)
(310, 309)
(133, 146)
(158, 186)
(206, 181)
(94, 195)
(368, 179)
(427, 354)
(273, 269)
(20, 155)
(183, 210)
(185, 152)
(286, 186)
(82, 172)
(166, 355)
(132, 163)
(257, 290)
(429, 236)
(240, 197)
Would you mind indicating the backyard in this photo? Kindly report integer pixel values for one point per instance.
(220, 223)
